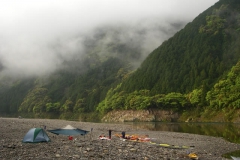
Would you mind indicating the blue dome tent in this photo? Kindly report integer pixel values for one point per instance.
(36, 135)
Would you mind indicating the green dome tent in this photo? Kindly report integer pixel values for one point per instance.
(36, 135)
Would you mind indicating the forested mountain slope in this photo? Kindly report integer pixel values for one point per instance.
(184, 73)
(197, 55)
(80, 83)
(190, 71)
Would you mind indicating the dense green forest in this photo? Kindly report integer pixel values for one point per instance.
(197, 55)
(197, 68)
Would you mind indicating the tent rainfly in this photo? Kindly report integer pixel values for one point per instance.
(36, 135)
(69, 130)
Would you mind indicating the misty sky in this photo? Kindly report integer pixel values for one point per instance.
(29, 28)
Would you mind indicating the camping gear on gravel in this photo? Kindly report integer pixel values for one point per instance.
(36, 135)
(139, 138)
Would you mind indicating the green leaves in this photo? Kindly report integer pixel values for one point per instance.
(67, 106)
(52, 107)
(142, 100)
(213, 25)
(35, 101)
(226, 93)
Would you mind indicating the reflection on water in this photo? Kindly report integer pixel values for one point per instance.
(228, 131)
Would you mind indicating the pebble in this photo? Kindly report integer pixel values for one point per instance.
(57, 155)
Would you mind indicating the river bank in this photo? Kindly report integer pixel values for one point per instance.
(90, 147)
(156, 115)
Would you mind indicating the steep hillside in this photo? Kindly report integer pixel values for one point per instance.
(197, 55)
(187, 73)
(12, 95)
(110, 53)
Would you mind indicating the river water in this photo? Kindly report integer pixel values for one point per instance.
(229, 131)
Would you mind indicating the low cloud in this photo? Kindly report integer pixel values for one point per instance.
(36, 37)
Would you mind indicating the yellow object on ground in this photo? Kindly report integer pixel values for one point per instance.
(170, 146)
(193, 156)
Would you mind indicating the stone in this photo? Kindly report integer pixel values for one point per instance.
(58, 155)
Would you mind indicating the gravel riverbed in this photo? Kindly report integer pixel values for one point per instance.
(90, 147)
